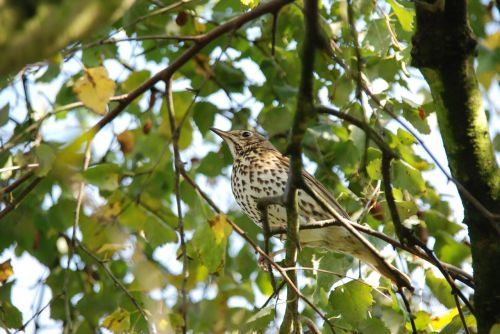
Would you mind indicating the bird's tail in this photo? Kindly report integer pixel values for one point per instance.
(387, 270)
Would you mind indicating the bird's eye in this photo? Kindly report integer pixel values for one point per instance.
(246, 134)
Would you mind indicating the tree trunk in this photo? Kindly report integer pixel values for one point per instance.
(444, 49)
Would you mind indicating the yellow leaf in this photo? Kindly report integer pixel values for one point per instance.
(249, 3)
(220, 228)
(493, 41)
(5, 271)
(111, 248)
(95, 89)
(199, 27)
(118, 321)
(147, 276)
(439, 322)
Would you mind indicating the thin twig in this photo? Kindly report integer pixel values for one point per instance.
(408, 309)
(274, 294)
(23, 327)
(12, 168)
(263, 206)
(304, 112)
(180, 223)
(72, 246)
(15, 203)
(461, 314)
(491, 217)
(402, 232)
(115, 280)
(456, 272)
(252, 244)
(374, 135)
(11, 187)
(231, 25)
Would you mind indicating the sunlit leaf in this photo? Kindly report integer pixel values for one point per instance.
(210, 241)
(405, 15)
(10, 316)
(105, 176)
(118, 321)
(46, 157)
(5, 271)
(352, 301)
(95, 89)
(439, 322)
(135, 79)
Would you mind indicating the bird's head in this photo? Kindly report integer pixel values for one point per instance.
(240, 141)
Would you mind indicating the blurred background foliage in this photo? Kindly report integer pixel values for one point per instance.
(126, 250)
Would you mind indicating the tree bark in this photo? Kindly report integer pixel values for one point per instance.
(444, 50)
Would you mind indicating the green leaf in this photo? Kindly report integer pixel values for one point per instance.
(352, 301)
(231, 78)
(405, 137)
(260, 320)
(377, 38)
(373, 326)
(404, 15)
(204, 116)
(413, 116)
(105, 176)
(496, 142)
(264, 283)
(275, 120)
(10, 316)
(455, 326)
(135, 79)
(440, 288)
(4, 114)
(210, 242)
(46, 156)
(211, 165)
(374, 169)
(422, 321)
(407, 177)
(449, 250)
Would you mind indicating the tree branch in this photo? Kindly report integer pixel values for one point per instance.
(304, 113)
(252, 244)
(178, 167)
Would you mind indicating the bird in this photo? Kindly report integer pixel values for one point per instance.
(260, 171)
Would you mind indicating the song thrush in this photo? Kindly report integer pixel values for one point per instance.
(260, 170)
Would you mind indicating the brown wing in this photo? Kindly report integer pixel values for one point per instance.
(322, 191)
(317, 186)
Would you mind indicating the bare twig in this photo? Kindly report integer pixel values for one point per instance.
(304, 113)
(457, 273)
(15, 203)
(263, 205)
(34, 126)
(180, 223)
(37, 313)
(374, 135)
(252, 244)
(204, 40)
(13, 186)
(402, 232)
(408, 309)
(491, 217)
(115, 280)
(461, 314)
(12, 168)
(72, 246)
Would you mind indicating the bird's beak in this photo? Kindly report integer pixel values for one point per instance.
(223, 134)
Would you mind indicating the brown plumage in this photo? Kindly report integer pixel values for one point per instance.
(259, 170)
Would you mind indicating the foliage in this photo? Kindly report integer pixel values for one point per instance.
(113, 272)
